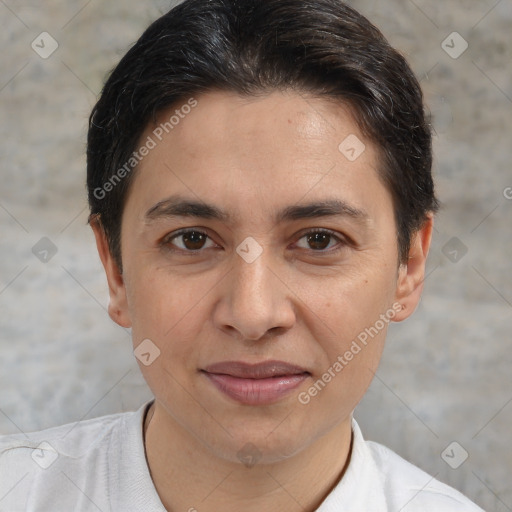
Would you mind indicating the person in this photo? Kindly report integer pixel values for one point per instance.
(260, 187)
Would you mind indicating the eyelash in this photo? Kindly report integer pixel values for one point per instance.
(166, 242)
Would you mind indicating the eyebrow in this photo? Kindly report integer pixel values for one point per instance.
(177, 206)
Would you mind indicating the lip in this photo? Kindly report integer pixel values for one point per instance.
(256, 384)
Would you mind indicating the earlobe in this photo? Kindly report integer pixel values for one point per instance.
(118, 305)
(411, 275)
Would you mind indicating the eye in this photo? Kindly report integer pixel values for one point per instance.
(192, 240)
(320, 239)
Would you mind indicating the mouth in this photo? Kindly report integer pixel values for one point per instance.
(255, 384)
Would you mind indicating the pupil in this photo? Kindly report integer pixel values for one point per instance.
(319, 238)
(197, 240)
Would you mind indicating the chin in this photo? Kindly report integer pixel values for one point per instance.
(254, 452)
(266, 442)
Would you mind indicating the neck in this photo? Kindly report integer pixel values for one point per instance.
(187, 476)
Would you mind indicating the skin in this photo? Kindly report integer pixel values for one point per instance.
(253, 157)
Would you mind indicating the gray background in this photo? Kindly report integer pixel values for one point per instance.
(446, 372)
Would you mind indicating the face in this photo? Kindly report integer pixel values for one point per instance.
(254, 295)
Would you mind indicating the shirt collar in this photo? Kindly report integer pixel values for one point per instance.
(361, 487)
(131, 484)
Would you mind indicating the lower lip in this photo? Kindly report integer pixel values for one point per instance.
(256, 391)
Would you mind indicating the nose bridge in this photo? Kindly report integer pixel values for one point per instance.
(257, 299)
(252, 277)
(251, 270)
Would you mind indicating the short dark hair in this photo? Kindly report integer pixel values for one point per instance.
(252, 47)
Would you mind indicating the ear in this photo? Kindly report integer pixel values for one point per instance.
(411, 275)
(118, 305)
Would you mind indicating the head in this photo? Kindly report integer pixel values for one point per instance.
(259, 178)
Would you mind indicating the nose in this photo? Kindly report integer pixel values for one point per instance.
(256, 301)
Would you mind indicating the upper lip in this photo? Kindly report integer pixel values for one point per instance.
(263, 370)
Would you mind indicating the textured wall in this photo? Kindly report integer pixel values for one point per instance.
(446, 372)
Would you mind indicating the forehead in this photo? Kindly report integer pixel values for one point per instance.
(264, 150)
(261, 124)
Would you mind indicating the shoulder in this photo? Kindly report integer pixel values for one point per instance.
(40, 465)
(407, 486)
(72, 438)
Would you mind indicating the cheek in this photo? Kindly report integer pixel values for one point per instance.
(335, 393)
(162, 313)
(172, 312)
(351, 301)
(159, 306)
(351, 327)
(357, 317)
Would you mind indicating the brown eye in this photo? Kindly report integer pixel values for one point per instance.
(320, 240)
(192, 240)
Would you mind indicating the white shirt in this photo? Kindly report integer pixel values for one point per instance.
(99, 465)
